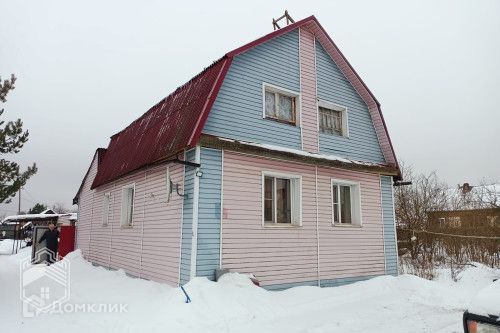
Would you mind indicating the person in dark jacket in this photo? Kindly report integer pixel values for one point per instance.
(51, 238)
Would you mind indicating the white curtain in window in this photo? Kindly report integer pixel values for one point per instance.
(270, 104)
(285, 108)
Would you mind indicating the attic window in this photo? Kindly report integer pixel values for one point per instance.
(332, 119)
(280, 104)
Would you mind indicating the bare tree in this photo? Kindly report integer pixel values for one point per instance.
(59, 208)
(413, 203)
(486, 194)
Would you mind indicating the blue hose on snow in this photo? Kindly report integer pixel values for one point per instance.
(188, 299)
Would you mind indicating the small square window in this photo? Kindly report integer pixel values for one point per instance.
(280, 105)
(332, 119)
(346, 203)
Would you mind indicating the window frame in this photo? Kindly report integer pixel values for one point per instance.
(105, 217)
(286, 92)
(295, 203)
(122, 210)
(334, 107)
(356, 204)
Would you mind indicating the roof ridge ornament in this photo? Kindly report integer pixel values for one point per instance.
(286, 16)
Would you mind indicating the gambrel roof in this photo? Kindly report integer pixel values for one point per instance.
(176, 122)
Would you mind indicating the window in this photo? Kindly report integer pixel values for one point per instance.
(442, 222)
(105, 208)
(455, 222)
(280, 105)
(127, 205)
(281, 199)
(332, 119)
(346, 203)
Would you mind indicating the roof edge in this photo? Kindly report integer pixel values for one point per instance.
(289, 154)
(269, 36)
(98, 153)
(178, 89)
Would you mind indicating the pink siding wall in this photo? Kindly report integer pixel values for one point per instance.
(309, 113)
(350, 251)
(150, 249)
(279, 255)
(85, 210)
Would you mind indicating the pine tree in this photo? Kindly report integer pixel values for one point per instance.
(37, 208)
(12, 139)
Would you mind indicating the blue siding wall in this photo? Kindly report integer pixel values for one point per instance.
(237, 111)
(187, 219)
(333, 87)
(391, 256)
(323, 283)
(209, 213)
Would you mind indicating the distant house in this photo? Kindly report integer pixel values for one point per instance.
(470, 218)
(275, 160)
(470, 207)
(18, 223)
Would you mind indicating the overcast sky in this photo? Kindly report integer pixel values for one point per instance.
(87, 69)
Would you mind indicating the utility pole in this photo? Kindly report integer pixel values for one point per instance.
(19, 203)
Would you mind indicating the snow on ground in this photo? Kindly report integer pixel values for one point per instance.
(384, 304)
(6, 246)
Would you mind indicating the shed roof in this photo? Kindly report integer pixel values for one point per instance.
(47, 215)
(176, 122)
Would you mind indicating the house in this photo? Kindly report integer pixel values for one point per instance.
(470, 208)
(24, 222)
(476, 219)
(20, 227)
(275, 160)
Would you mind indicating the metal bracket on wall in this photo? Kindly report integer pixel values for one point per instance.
(180, 194)
(191, 164)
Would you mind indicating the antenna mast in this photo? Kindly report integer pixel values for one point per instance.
(286, 16)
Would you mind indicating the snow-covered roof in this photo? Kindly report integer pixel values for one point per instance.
(45, 215)
(302, 153)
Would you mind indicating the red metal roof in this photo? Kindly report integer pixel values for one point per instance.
(166, 129)
(176, 122)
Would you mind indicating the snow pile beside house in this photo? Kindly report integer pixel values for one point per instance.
(384, 304)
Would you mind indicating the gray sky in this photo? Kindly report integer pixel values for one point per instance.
(87, 69)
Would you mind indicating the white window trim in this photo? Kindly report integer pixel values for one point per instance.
(168, 183)
(105, 218)
(284, 91)
(344, 182)
(335, 107)
(125, 226)
(285, 176)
